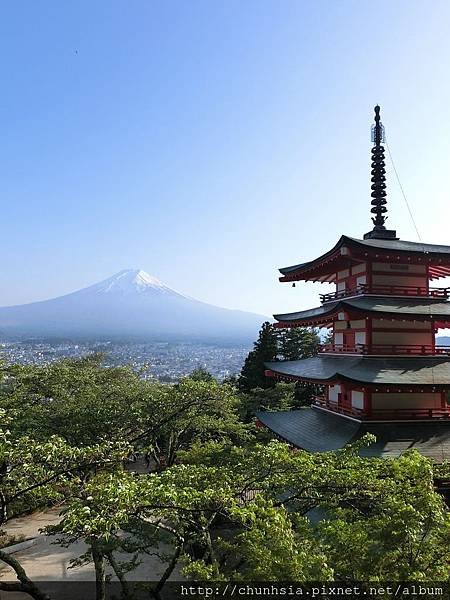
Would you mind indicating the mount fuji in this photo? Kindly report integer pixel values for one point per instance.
(131, 303)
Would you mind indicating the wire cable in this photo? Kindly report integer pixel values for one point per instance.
(402, 190)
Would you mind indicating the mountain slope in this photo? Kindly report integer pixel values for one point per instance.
(130, 303)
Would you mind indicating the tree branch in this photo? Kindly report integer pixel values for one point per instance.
(25, 584)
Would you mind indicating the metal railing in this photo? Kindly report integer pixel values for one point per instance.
(386, 349)
(388, 414)
(388, 290)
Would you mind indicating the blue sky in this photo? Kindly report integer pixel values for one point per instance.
(210, 142)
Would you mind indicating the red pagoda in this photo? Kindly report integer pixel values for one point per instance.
(382, 372)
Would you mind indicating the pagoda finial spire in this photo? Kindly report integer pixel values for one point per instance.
(378, 186)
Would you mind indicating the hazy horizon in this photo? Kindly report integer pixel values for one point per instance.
(211, 143)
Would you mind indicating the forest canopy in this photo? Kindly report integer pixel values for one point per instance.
(215, 497)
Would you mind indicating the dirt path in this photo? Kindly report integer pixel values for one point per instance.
(47, 561)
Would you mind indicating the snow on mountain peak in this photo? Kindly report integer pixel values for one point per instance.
(143, 279)
(132, 281)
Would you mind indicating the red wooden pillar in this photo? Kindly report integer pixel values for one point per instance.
(369, 277)
(433, 337)
(369, 334)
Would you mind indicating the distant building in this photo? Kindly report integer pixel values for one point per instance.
(383, 372)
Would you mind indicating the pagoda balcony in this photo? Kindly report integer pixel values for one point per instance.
(386, 349)
(385, 414)
(388, 290)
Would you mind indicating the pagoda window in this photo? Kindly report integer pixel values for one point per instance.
(360, 337)
(358, 399)
(339, 339)
(333, 393)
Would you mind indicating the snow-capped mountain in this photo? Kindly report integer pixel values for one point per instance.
(130, 303)
(130, 281)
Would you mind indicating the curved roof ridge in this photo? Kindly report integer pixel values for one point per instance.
(402, 245)
(420, 307)
(392, 371)
(382, 244)
(338, 244)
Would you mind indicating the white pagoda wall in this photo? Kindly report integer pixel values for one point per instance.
(360, 337)
(341, 276)
(333, 392)
(340, 327)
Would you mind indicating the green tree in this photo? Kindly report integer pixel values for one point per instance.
(287, 344)
(79, 400)
(296, 343)
(381, 518)
(200, 411)
(34, 474)
(265, 349)
(224, 502)
(279, 397)
(201, 374)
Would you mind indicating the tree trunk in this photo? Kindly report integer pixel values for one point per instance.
(100, 575)
(168, 571)
(125, 590)
(3, 509)
(25, 584)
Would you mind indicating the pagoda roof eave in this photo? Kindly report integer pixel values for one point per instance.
(296, 272)
(374, 371)
(315, 431)
(316, 269)
(420, 309)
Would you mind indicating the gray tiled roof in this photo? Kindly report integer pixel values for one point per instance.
(402, 245)
(393, 245)
(382, 371)
(310, 429)
(319, 311)
(317, 431)
(420, 307)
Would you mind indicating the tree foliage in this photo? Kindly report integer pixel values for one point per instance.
(273, 344)
(217, 497)
(265, 349)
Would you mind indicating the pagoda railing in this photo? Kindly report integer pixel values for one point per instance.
(388, 290)
(386, 349)
(384, 414)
